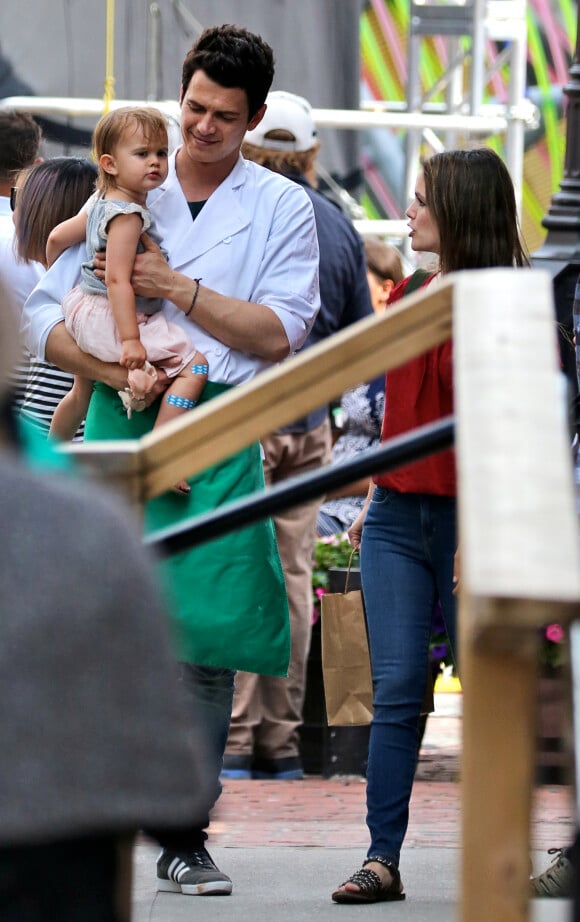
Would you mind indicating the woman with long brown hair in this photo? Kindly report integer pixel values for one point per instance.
(464, 210)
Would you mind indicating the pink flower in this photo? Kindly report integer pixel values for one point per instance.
(555, 633)
(321, 591)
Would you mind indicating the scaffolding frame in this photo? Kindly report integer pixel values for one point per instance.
(490, 121)
(466, 76)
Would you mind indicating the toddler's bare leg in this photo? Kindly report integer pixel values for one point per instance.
(71, 410)
(182, 396)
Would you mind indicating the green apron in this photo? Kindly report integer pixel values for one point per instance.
(226, 598)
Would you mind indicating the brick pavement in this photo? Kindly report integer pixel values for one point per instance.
(273, 838)
(331, 813)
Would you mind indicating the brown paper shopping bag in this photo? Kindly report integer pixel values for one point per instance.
(346, 668)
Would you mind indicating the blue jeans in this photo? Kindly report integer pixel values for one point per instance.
(408, 545)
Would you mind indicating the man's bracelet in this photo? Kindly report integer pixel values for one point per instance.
(194, 299)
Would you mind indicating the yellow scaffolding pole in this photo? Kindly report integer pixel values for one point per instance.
(109, 86)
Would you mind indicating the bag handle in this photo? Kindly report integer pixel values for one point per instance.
(352, 553)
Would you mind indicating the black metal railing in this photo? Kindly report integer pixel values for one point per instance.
(412, 446)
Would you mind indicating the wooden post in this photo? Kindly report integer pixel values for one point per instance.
(519, 563)
(499, 725)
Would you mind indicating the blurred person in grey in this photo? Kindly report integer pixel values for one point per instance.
(20, 142)
(94, 747)
(263, 740)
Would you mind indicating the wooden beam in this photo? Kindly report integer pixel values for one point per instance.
(298, 385)
(119, 463)
(280, 395)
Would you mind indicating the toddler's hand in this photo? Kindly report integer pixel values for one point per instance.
(133, 354)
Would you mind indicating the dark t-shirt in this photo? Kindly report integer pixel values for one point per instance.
(195, 208)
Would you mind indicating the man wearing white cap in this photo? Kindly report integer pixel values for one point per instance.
(263, 740)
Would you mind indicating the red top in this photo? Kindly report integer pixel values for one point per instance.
(420, 392)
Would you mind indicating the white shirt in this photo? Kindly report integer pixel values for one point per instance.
(18, 277)
(254, 239)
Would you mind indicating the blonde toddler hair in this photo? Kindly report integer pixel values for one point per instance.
(111, 128)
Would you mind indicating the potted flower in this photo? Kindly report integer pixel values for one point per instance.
(553, 650)
(554, 759)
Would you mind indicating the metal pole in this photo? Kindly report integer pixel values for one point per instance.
(560, 252)
(563, 218)
(477, 83)
(454, 92)
(409, 447)
(153, 68)
(516, 92)
(413, 138)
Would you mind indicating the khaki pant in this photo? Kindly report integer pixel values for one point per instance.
(267, 711)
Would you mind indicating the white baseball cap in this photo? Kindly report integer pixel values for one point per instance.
(285, 112)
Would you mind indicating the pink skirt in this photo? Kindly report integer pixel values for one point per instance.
(89, 320)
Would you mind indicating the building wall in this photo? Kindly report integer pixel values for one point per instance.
(315, 43)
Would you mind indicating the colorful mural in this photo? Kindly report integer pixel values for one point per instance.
(551, 37)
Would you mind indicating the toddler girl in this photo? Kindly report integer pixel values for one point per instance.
(106, 319)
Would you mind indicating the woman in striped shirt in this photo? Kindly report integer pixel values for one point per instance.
(48, 193)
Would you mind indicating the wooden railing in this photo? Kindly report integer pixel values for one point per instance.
(188, 445)
(520, 560)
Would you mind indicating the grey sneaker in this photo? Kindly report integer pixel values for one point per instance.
(557, 880)
(193, 873)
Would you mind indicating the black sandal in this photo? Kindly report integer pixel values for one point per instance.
(371, 887)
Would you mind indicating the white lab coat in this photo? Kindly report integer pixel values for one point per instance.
(254, 239)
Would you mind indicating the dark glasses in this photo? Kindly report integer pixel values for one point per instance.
(13, 192)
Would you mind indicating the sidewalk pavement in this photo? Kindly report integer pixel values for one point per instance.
(287, 845)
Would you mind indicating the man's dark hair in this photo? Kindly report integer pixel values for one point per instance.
(233, 57)
(20, 138)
